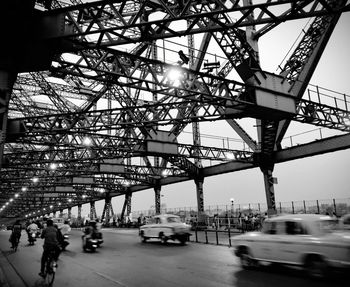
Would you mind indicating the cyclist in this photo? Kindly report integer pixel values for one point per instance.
(16, 233)
(51, 243)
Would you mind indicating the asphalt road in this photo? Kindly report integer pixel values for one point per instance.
(124, 261)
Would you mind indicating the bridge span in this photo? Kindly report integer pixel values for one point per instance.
(124, 261)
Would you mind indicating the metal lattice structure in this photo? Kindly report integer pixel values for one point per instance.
(96, 97)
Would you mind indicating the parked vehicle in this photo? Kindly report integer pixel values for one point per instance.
(310, 241)
(165, 227)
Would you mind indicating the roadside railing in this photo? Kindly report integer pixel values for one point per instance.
(322, 206)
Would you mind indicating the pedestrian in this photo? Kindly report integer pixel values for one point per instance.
(16, 233)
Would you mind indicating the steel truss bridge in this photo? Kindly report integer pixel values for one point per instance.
(96, 97)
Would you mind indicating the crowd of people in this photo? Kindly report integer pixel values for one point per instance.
(242, 221)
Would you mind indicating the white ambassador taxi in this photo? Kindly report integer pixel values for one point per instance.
(310, 241)
(165, 227)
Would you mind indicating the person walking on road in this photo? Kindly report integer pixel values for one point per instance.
(16, 233)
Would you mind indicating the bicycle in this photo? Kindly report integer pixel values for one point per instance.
(50, 268)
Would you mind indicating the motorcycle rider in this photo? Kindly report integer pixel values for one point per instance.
(65, 228)
(32, 228)
(51, 242)
(89, 231)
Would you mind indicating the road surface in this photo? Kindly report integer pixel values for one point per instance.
(124, 261)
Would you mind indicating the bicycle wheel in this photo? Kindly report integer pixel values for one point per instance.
(50, 271)
(50, 277)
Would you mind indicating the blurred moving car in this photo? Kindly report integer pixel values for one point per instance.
(165, 227)
(310, 241)
(344, 222)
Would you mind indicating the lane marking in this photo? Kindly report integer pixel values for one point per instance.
(110, 279)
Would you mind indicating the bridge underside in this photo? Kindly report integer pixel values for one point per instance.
(106, 98)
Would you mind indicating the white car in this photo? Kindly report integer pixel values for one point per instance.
(165, 227)
(310, 241)
(344, 222)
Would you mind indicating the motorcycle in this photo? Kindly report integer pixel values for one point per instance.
(31, 237)
(98, 236)
(65, 242)
(89, 244)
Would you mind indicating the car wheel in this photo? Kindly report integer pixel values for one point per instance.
(315, 267)
(247, 262)
(143, 237)
(183, 239)
(163, 238)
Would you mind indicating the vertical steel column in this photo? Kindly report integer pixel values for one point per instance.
(107, 213)
(269, 191)
(92, 210)
(195, 125)
(200, 199)
(7, 80)
(128, 203)
(108, 208)
(79, 215)
(157, 190)
(69, 212)
(155, 97)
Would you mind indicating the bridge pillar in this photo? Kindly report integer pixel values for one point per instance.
(126, 205)
(157, 190)
(200, 199)
(269, 190)
(79, 215)
(69, 212)
(107, 210)
(92, 210)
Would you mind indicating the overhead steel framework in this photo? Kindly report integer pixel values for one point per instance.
(105, 98)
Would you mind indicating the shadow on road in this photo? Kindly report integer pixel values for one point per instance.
(167, 244)
(278, 272)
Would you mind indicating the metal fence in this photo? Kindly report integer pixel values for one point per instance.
(223, 221)
(330, 206)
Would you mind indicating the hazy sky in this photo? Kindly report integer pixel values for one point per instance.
(319, 177)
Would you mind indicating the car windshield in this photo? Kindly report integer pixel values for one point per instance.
(173, 219)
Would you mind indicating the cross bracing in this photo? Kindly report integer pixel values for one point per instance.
(109, 78)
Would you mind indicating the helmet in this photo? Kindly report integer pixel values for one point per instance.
(49, 222)
(92, 223)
